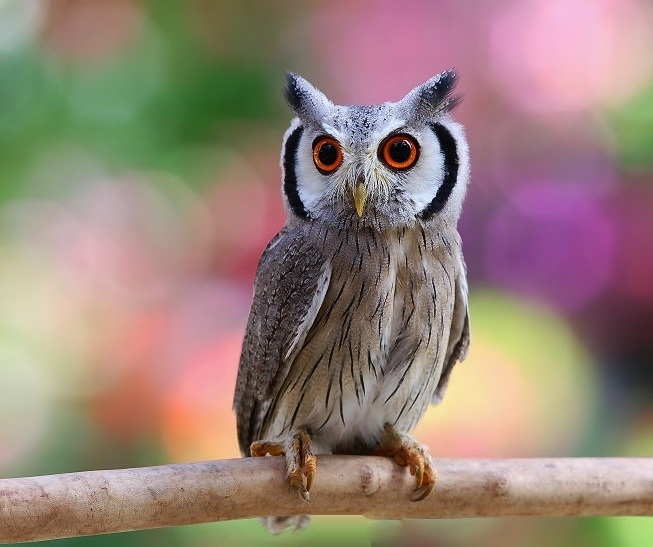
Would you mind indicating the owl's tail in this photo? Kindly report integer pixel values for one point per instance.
(276, 525)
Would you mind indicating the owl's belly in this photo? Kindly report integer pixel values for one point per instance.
(345, 408)
(379, 364)
(400, 399)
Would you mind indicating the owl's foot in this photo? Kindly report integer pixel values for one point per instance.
(300, 460)
(406, 451)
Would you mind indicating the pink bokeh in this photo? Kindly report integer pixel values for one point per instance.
(566, 56)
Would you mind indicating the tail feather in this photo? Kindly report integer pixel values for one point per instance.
(276, 525)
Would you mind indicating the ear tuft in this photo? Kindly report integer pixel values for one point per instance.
(436, 92)
(308, 102)
(433, 98)
(292, 91)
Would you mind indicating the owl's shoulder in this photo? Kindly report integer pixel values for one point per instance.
(293, 251)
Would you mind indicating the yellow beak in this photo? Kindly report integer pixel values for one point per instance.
(360, 196)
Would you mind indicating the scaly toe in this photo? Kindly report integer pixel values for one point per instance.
(426, 482)
(301, 464)
(309, 467)
(406, 451)
(417, 470)
(260, 448)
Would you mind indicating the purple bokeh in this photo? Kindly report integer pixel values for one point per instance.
(551, 242)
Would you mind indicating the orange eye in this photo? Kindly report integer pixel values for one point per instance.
(327, 154)
(399, 151)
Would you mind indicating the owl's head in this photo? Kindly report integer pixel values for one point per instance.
(385, 165)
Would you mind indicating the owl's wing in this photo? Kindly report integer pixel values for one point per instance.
(458, 335)
(291, 281)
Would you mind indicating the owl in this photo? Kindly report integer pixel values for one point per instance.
(360, 302)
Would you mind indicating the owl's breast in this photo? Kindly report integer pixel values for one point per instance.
(375, 350)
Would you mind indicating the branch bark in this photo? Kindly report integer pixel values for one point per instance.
(97, 502)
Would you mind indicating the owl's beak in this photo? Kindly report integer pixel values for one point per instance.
(360, 197)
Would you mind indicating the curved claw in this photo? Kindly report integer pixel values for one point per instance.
(427, 489)
(310, 464)
(406, 451)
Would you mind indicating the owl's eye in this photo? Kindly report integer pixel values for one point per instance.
(399, 151)
(327, 154)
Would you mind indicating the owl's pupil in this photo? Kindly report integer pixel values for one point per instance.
(400, 151)
(328, 154)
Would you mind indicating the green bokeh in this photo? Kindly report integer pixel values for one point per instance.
(632, 124)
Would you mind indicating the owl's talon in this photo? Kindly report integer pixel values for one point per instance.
(309, 473)
(426, 491)
(301, 464)
(406, 451)
(309, 461)
(296, 481)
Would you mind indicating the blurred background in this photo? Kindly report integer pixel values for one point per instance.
(139, 183)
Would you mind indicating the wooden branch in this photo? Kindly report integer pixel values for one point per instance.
(96, 502)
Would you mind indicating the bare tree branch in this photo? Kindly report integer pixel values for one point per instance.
(96, 502)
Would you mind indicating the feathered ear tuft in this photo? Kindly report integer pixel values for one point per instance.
(294, 91)
(436, 92)
(308, 102)
(433, 98)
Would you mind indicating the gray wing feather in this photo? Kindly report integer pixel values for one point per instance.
(458, 336)
(291, 282)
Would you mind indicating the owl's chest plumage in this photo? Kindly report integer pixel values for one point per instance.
(376, 346)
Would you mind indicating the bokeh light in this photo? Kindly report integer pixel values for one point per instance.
(572, 55)
(527, 388)
(139, 184)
